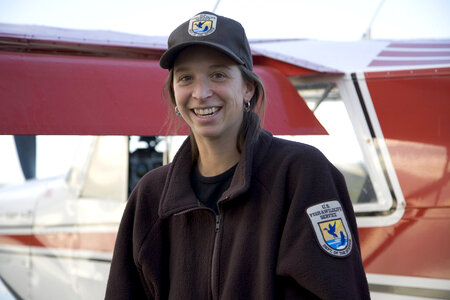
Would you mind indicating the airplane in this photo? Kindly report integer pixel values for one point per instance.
(379, 110)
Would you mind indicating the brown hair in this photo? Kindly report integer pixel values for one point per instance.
(251, 120)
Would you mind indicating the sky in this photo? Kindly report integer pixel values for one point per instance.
(341, 20)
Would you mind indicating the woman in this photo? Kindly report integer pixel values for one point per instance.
(238, 214)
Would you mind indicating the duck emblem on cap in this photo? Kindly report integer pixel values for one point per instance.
(202, 24)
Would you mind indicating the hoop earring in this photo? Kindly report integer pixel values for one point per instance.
(247, 106)
(177, 111)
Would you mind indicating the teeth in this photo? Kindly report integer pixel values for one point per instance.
(205, 111)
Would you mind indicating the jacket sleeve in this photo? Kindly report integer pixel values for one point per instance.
(303, 266)
(125, 281)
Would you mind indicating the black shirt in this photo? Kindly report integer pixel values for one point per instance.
(209, 189)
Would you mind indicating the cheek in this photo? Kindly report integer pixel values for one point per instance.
(180, 97)
(239, 97)
(239, 102)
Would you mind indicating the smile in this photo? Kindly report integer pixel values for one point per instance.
(206, 112)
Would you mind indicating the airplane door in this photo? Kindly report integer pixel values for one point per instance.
(76, 221)
(52, 263)
(100, 205)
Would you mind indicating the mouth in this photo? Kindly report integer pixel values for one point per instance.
(206, 112)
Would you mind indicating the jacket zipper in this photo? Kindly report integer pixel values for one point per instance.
(214, 276)
(214, 257)
(218, 220)
(217, 223)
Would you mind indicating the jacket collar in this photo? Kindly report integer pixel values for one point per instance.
(178, 196)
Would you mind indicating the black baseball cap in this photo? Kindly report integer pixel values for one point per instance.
(209, 29)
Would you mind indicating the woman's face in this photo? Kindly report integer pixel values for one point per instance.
(210, 92)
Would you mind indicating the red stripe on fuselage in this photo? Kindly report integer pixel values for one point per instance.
(420, 45)
(414, 53)
(103, 242)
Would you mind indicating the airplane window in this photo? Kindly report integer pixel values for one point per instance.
(341, 146)
(145, 154)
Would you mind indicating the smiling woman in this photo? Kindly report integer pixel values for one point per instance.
(210, 94)
(238, 213)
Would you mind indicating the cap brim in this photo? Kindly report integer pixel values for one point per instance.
(168, 58)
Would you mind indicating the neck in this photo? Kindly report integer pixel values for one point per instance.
(216, 157)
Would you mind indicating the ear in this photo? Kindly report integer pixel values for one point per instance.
(249, 90)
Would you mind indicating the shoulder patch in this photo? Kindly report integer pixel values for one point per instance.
(331, 228)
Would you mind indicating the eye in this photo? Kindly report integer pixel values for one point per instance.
(218, 76)
(184, 78)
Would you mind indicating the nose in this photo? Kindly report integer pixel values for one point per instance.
(202, 89)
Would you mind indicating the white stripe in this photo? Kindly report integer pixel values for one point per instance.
(99, 228)
(386, 296)
(78, 228)
(409, 281)
(16, 249)
(69, 253)
(15, 231)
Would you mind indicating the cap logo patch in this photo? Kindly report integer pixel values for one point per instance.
(331, 228)
(202, 24)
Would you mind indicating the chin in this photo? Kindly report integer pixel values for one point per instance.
(215, 132)
(209, 132)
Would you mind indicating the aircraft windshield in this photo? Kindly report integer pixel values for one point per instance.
(341, 146)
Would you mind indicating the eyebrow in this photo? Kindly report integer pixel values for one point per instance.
(180, 69)
(184, 69)
(220, 66)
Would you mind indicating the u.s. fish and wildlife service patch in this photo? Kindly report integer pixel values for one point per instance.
(202, 24)
(331, 228)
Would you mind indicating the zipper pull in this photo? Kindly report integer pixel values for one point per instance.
(217, 222)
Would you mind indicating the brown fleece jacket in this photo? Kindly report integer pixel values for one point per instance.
(263, 244)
